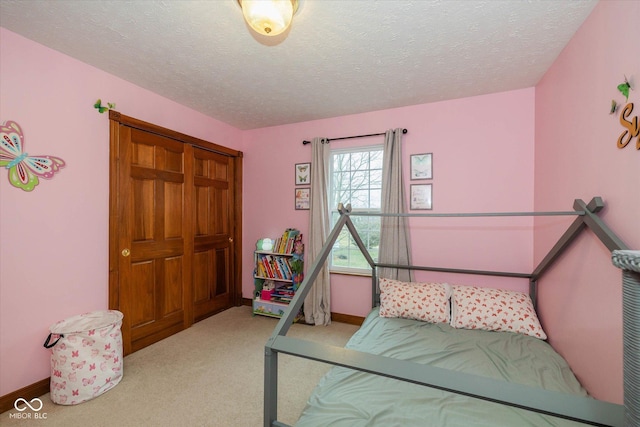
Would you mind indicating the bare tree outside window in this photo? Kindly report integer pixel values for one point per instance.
(356, 178)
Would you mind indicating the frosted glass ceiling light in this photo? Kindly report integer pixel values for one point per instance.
(268, 17)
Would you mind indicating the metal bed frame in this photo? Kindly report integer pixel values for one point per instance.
(581, 409)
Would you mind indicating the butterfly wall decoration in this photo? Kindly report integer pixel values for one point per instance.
(24, 171)
(624, 88)
(614, 107)
(101, 109)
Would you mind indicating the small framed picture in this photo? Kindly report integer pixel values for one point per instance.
(421, 197)
(302, 198)
(303, 173)
(421, 166)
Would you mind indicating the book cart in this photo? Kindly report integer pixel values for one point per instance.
(278, 272)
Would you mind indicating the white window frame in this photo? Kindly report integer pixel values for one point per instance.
(333, 209)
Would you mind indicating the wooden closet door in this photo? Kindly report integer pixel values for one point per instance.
(174, 244)
(214, 205)
(154, 264)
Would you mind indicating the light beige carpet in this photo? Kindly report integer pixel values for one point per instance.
(208, 375)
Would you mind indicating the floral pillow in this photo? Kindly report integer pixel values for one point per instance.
(494, 310)
(428, 302)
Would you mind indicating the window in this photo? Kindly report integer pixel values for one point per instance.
(356, 178)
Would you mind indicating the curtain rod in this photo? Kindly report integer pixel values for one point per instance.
(355, 136)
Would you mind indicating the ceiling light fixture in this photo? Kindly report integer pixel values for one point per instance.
(269, 17)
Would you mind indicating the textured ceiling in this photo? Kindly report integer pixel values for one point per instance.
(339, 57)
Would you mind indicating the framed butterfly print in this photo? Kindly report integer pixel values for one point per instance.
(421, 166)
(303, 173)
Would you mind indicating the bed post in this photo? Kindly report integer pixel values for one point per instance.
(629, 262)
(285, 322)
(586, 218)
(375, 299)
(270, 387)
(533, 292)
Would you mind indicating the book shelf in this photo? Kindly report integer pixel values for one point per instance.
(278, 272)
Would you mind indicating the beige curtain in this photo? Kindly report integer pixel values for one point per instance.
(317, 309)
(395, 247)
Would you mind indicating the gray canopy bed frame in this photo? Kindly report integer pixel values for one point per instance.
(562, 405)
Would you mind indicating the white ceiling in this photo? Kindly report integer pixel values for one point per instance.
(338, 58)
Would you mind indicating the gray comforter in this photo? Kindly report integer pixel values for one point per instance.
(345, 397)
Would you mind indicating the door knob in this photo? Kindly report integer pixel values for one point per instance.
(230, 239)
(126, 252)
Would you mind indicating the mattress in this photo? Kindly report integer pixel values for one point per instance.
(346, 397)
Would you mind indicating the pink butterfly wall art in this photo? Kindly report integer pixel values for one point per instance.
(24, 171)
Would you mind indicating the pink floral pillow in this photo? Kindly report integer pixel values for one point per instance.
(428, 302)
(494, 310)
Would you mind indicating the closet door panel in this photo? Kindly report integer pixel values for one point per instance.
(172, 298)
(221, 279)
(213, 240)
(173, 207)
(202, 264)
(152, 187)
(143, 293)
(143, 212)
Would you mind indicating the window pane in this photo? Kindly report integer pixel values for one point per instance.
(360, 179)
(359, 161)
(360, 199)
(376, 160)
(376, 200)
(341, 189)
(375, 178)
(339, 160)
(341, 180)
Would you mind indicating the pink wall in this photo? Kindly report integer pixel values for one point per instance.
(576, 157)
(483, 162)
(53, 242)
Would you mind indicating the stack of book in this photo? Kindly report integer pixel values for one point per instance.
(284, 244)
(283, 294)
(274, 267)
